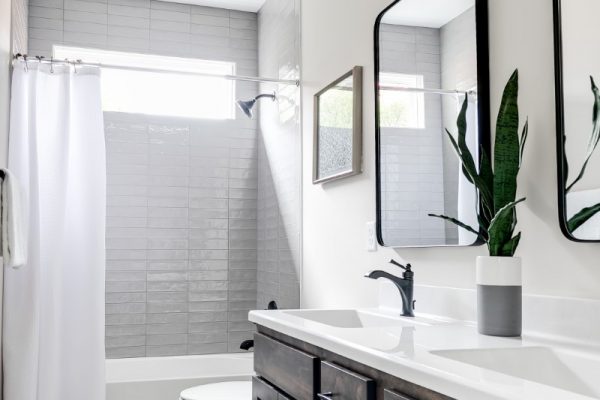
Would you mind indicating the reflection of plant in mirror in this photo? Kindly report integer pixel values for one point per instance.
(585, 214)
(336, 108)
(496, 185)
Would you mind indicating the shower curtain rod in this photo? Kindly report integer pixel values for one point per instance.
(78, 63)
(423, 90)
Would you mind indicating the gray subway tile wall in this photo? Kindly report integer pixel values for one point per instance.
(181, 231)
(181, 251)
(279, 160)
(146, 26)
(183, 208)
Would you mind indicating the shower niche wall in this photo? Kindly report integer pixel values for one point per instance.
(203, 214)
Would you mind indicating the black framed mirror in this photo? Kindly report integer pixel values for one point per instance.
(428, 54)
(577, 71)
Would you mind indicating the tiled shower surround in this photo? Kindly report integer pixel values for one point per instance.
(183, 217)
(181, 235)
(279, 156)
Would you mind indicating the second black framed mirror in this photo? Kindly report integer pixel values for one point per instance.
(577, 71)
(428, 54)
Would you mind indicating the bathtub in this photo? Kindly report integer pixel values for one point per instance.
(163, 378)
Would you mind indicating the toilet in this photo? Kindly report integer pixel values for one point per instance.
(234, 390)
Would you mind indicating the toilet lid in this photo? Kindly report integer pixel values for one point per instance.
(235, 390)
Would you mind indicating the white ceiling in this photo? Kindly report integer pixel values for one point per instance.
(242, 5)
(426, 13)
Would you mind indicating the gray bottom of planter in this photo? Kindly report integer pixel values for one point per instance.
(499, 310)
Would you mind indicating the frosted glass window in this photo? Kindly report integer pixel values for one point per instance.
(170, 92)
(399, 108)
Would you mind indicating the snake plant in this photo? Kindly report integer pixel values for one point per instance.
(496, 183)
(585, 214)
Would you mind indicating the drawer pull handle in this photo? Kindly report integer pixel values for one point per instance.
(325, 396)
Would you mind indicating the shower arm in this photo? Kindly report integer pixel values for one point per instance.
(264, 95)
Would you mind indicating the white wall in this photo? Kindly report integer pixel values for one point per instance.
(338, 34)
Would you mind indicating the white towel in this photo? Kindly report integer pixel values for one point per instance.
(14, 241)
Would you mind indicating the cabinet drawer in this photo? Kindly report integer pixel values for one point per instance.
(389, 395)
(343, 384)
(261, 390)
(291, 370)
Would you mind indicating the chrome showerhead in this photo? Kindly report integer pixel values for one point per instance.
(246, 106)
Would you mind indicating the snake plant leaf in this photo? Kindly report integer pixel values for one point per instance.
(468, 161)
(466, 156)
(502, 227)
(524, 135)
(465, 171)
(595, 137)
(487, 177)
(482, 182)
(503, 213)
(510, 247)
(471, 173)
(506, 149)
(582, 217)
(497, 184)
(483, 227)
(456, 222)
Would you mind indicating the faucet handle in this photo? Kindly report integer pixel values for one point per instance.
(408, 272)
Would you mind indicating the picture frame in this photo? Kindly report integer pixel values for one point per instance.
(337, 133)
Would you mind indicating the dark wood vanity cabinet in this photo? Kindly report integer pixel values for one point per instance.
(290, 369)
(293, 371)
(389, 395)
(262, 390)
(344, 384)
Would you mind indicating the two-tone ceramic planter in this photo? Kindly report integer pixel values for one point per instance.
(499, 296)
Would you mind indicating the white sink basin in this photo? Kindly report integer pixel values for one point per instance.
(354, 318)
(563, 370)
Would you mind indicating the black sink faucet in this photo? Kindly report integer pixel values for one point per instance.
(405, 285)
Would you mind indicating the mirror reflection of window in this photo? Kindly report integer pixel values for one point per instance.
(401, 108)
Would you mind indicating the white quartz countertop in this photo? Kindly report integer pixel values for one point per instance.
(426, 351)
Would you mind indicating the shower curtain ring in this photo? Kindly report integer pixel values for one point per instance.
(52, 64)
(25, 63)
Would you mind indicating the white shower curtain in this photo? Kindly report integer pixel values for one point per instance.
(54, 305)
